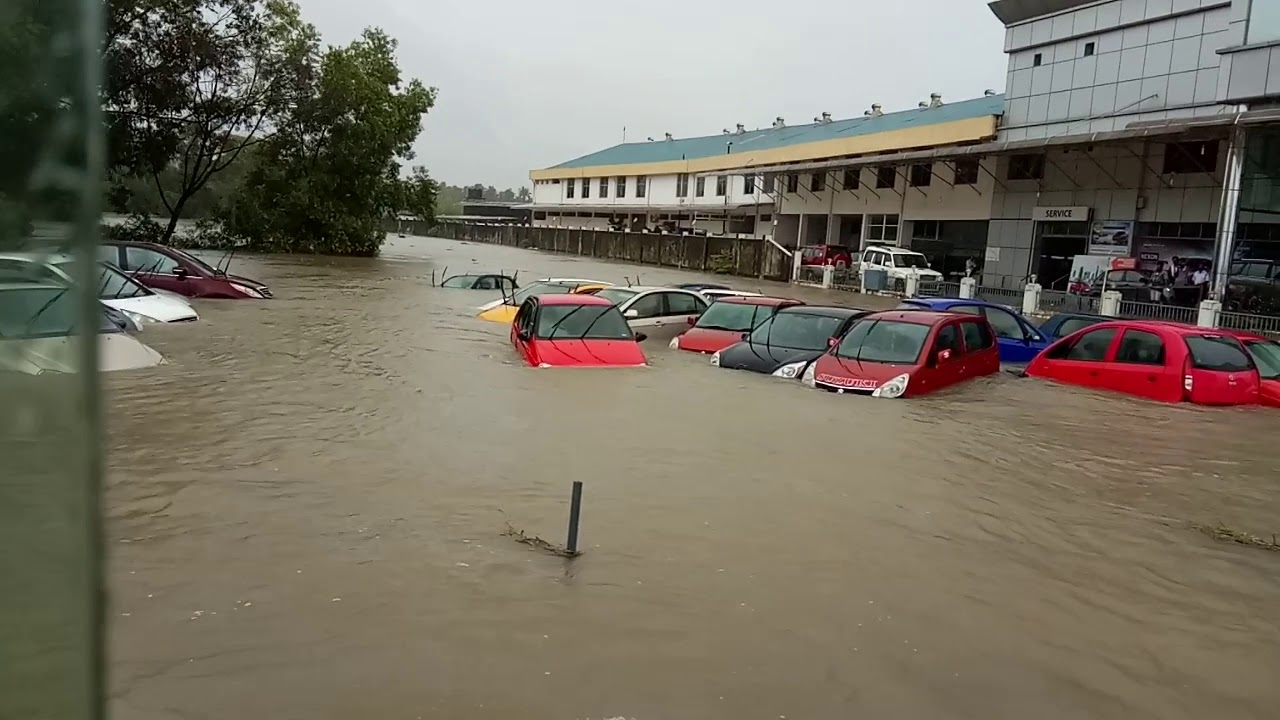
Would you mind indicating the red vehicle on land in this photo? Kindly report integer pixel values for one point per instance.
(723, 324)
(837, 255)
(906, 353)
(574, 331)
(166, 268)
(1161, 361)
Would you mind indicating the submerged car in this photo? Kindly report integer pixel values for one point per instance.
(1063, 324)
(38, 322)
(1161, 361)
(713, 294)
(574, 331)
(650, 308)
(504, 311)
(700, 287)
(489, 281)
(1018, 338)
(1265, 354)
(900, 353)
(115, 289)
(785, 343)
(166, 268)
(725, 321)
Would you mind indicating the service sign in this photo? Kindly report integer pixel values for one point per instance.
(1077, 213)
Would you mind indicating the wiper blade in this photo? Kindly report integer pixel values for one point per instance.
(36, 316)
(552, 334)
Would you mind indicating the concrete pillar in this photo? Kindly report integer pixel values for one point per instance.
(795, 265)
(912, 288)
(1228, 213)
(968, 288)
(828, 276)
(1110, 304)
(800, 232)
(1210, 313)
(1031, 299)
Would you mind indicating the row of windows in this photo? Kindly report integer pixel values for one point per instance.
(620, 187)
(1089, 48)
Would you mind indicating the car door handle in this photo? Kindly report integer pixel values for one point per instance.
(1093, 373)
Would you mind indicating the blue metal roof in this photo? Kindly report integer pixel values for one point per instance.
(710, 145)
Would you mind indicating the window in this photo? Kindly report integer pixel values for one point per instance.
(966, 309)
(770, 181)
(109, 253)
(682, 185)
(966, 172)
(621, 184)
(1140, 347)
(568, 190)
(948, 339)
(586, 188)
(851, 179)
(1091, 346)
(886, 177)
(883, 341)
(700, 187)
(640, 186)
(1266, 355)
(977, 336)
(925, 229)
(882, 229)
(722, 185)
(1037, 60)
(1088, 49)
(793, 183)
(1026, 167)
(647, 306)
(1215, 352)
(1264, 22)
(921, 175)
(1071, 325)
(1191, 157)
(682, 304)
(488, 282)
(604, 187)
(148, 261)
(1005, 324)
(766, 218)
(818, 182)
(748, 184)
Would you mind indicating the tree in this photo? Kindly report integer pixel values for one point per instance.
(327, 177)
(193, 83)
(523, 195)
(417, 196)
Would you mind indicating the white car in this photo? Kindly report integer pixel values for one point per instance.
(115, 288)
(898, 264)
(543, 286)
(655, 307)
(714, 295)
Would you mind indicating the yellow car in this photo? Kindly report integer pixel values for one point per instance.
(504, 311)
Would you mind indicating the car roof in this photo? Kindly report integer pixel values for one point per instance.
(1181, 329)
(31, 286)
(574, 299)
(827, 310)
(572, 280)
(38, 257)
(894, 249)
(944, 303)
(1087, 316)
(757, 300)
(654, 288)
(917, 317)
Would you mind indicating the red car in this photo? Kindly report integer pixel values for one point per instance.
(837, 255)
(1159, 361)
(574, 331)
(723, 324)
(166, 268)
(1265, 353)
(906, 353)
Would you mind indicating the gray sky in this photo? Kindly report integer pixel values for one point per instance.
(528, 84)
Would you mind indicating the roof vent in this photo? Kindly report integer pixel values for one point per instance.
(988, 93)
(725, 131)
(779, 122)
(742, 129)
(649, 139)
(922, 104)
(875, 111)
(669, 137)
(824, 120)
(935, 100)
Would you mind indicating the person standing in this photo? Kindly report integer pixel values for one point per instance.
(1200, 278)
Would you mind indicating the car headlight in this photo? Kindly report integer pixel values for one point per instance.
(138, 319)
(675, 343)
(789, 371)
(715, 359)
(809, 373)
(246, 290)
(892, 389)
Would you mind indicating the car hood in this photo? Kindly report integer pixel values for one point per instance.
(250, 282)
(706, 340)
(589, 353)
(161, 308)
(847, 373)
(762, 358)
(922, 272)
(500, 314)
(116, 351)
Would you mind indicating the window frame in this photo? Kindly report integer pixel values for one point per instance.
(983, 327)
(967, 171)
(889, 181)
(818, 182)
(793, 183)
(1064, 353)
(748, 184)
(604, 188)
(700, 186)
(854, 175)
(920, 175)
(1164, 348)
(641, 186)
(620, 186)
(722, 185)
(569, 186)
(586, 188)
(1026, 166)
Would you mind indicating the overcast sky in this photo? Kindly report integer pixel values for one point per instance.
(528, 84)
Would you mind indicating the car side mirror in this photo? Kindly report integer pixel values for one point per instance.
(831, 342)
(746, 335)
(524, 335)
(631, 314)
(693, 319)
(942, 356)
(641, 337)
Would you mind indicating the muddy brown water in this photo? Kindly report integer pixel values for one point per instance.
(306, 509)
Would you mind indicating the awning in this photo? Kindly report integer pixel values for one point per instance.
(1190, 128)
(686, 209)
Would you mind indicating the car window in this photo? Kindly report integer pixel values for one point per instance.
(1071, 325)
(150, 261)
(682, 304)
(977, 336)
(23, 271)
(486, 283)
(1091, 346)
(593, 322)
(647, 306)
(1216, 352)
(507, 284)
(521, 320)
(967, 309)
(1266, 355)
(1140, 347)
(948, 339)
(884, 341)
(1005, 324)
(459, 281)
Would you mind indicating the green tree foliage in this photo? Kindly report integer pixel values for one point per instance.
(417, 196)
(330, 173)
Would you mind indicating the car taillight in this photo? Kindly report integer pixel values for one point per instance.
(1187, 381)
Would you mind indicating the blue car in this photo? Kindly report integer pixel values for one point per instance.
(1063, 324)
(1018, 338)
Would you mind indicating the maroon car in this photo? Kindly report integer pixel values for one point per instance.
(166, 268)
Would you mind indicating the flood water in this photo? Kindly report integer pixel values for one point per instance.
(306, 511)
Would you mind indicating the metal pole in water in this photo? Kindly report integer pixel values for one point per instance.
(575, 509)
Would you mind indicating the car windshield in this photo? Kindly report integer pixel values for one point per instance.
(460, 281)
(1266, 355)
(1216, 352)
(884, 341)
(616, 295)
(113, 284)
(536, 289)
(588, 322)
(737, 317)
(798, 331)
(39, 311)
(910, 260)
(196, 261)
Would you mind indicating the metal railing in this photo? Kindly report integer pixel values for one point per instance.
(1261, 324)
(849, 279)
(939, 290)
(1056, 301)
(1003, 296)
(809, 275)
(1157, 311)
